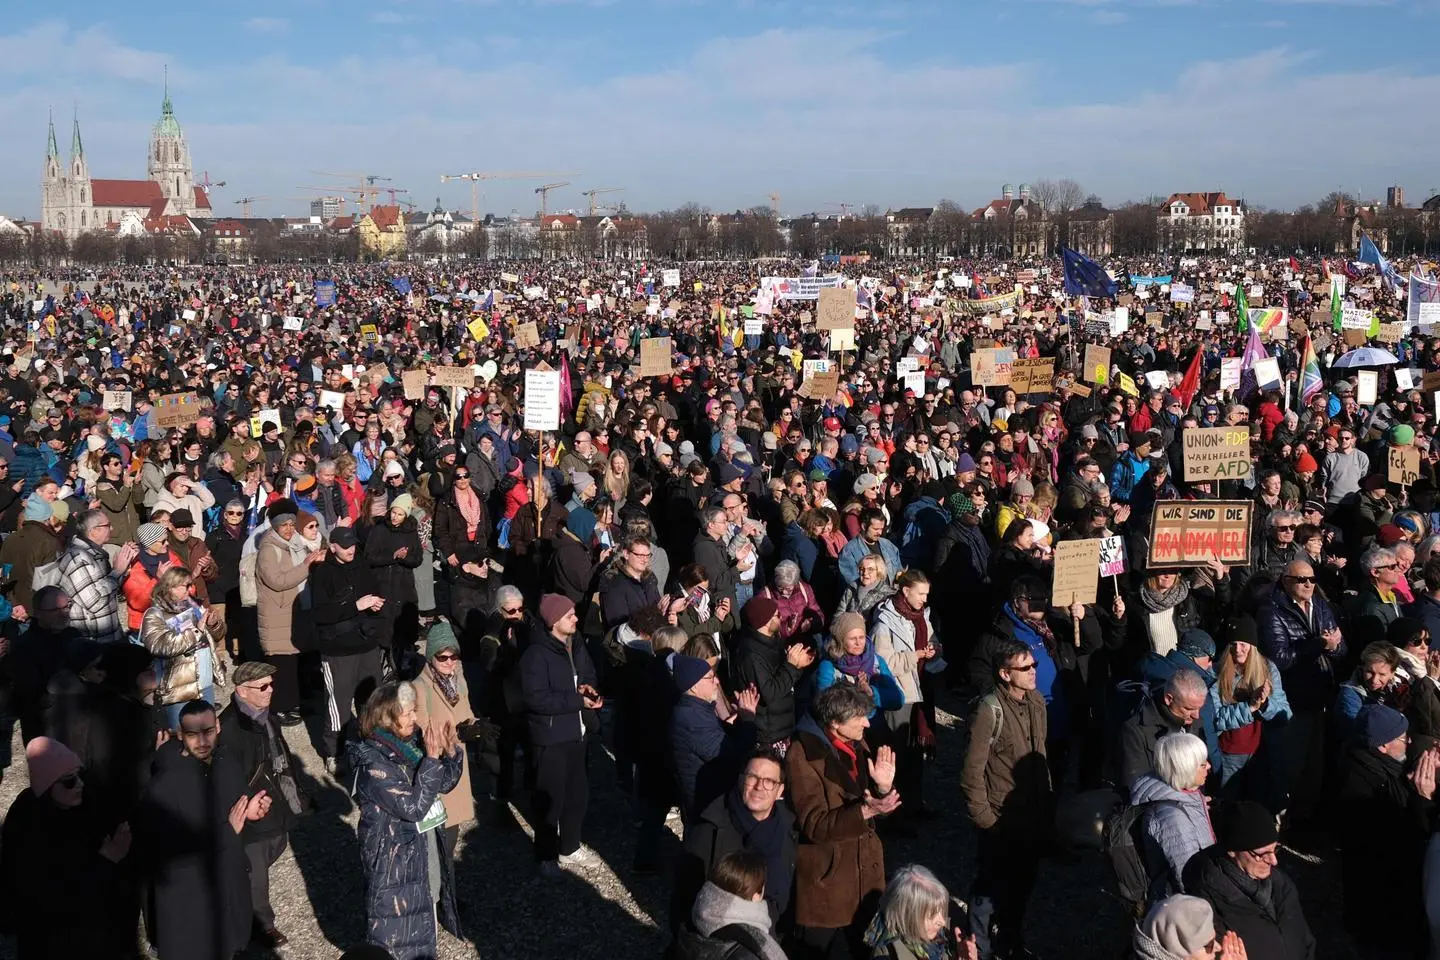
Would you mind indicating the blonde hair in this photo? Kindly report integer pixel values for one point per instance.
(1242, 680)
(173, 577)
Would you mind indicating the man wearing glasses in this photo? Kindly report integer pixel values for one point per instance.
(91, 579)
(250, 735)
(1280, 549)
(1007, 792)
(1344, 469)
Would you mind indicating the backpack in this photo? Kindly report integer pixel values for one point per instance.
(46, 575)
(1124, 844)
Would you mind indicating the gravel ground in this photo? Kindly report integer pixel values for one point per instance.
(603, 911)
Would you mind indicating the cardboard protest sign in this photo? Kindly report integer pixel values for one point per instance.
(991, 367)
(842, 340)
(1390, 332)
(1097, 364)
(655, 357)
(1430, 381)
(1112, 556)
(1355, 338)
(118, 400)
(527, 335)
(177, 410)
(1032, 374)
(510, 278)
(462, 377)
(1217, 453)
(1404, 465)
(415, 382)
(836, 310)
(1077, 572)
(1192, 533)
(542, 398)
(821, 385)
(1367, 391)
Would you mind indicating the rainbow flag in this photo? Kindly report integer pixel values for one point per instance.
(1311, 382)
(1267, 318)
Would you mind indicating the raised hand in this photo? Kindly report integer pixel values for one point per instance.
(434, 742)
(747, 701)
(1232, 947)
(799, 655)
(882, 769)
(116, 846)
(1423, 776)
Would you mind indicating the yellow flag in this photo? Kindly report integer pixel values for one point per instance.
(478, 329)
(797, 358)
(739, 334)
(699, 287)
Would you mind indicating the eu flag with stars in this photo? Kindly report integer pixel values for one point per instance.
(401, 285)
(1085, 277)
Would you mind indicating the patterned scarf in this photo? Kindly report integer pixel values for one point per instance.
(854, 665)
(449, 689)
(1156, 601)
(409, 750)
(469, 505)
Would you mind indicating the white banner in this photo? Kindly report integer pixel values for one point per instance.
(542, 399)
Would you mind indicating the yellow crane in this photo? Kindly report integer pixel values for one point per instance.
(245, 205)
(592, 194)
(475, 179)
(544, 191)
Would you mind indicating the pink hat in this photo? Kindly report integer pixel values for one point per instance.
(48, 760)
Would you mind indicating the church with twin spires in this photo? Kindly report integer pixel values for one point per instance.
(72, 202)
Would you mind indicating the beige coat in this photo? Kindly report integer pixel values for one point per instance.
(431, 703)
(279, 577)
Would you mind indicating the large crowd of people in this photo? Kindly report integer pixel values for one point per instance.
(765, 576)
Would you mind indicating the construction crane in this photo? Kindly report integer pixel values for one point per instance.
(475, 179)
(775, 205)
(844, 208)
(365, 183)
(544, 191)
(592, 194)
(245, 205)
(392, 191)
(206, 182)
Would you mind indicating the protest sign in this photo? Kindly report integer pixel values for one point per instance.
(1032, 374)
(1077, 572)
(842, 340)
(1181, 293)
(754, 326)
(655, 357)
(1191, 534)
(262, 417)
(811, 367)
(670, 278)
(1097, 364)
(325, 293)
(821, 385)
(510, 278)
(1112, 556)
(527, 335)
(462, 377)
(176, 410)
(1390, 332)
(479, 330)
(1217, 453)
(1126, 384)
(836, 310)
(915, 381)
(1267, 373)
(415, 382)
(1355, 318)
(188, 315)
(335, 400)
(1367, 391)
(542, 399)
(1404, 465)
(117, 400)
(991, 367)
(369, 333)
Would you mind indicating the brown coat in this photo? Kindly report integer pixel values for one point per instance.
(431, 703)
(840, 862)
(278, 581)
(1010, 781)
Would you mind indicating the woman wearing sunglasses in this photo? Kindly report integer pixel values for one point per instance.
(51, 852)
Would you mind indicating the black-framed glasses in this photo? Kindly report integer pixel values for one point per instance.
(1284, 528)
(462, 476)
(72, 780)
(1301, 580)
(260, 687)
(446, 657)
(511, 611)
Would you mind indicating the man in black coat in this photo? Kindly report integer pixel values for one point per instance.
(628, 585)
(346, 604)
(1245, 887)
(557, 679)
(250, 736)
(187, 831)
(774, 670)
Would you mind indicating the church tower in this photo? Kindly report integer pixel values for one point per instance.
(169, 163)
(52, 188)
(81, 217)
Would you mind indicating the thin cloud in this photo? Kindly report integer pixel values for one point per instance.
(270, 25)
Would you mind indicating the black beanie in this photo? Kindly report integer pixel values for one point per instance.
(1246, 825)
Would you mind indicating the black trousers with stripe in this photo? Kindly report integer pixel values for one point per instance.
(349, 679)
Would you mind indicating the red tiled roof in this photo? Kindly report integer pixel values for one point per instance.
(999, 206)
(1201, 204)
(202, 199)
(561, 221)
(230, 228)
(342, 223)
(124, 193)
(385, 217)
(157, 208)
(164, 224)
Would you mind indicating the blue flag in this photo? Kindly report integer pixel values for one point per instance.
(1085, 277)
(401, 285)
(1369, 253)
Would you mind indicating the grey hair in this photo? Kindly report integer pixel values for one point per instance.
(710, 514)
(89, 520)
(1376, 557)
(405, 694)
(1178, 757)
(1186, 683)
(669, 638)
(326, 464)
(218, 457)
(912, 897)
(737, 544)
(1426, 550)
(787, 573)
(1279, 516)
(238, 504)
(506, 594)
(841, 703)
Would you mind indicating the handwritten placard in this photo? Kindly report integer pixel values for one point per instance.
(655, 357)
(1077, 572)
(177, 410)
(118, 400)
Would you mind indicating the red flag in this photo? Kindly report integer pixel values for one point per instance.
(1295, 265)
(567, 396)
(1190, 385)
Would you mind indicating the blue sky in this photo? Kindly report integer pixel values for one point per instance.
(892, 102)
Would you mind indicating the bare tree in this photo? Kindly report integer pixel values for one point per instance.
(1058, 197)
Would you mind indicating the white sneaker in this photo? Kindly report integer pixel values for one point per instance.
(550, 870)
(582, 857)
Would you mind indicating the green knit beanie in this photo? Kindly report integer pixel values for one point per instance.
(439, 638)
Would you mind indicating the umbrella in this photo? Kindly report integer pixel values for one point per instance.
(1366, 357)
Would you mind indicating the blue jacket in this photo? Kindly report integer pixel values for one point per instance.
(549, 682)
(28, 465)
(923, 524)
(799, 547)
(1349, 699)
(1156, 671)
(856, 550)
(1235, 716)
(883, 689)
(1295, 644)
(393, 799)
(1129, 471)
(709, 754)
